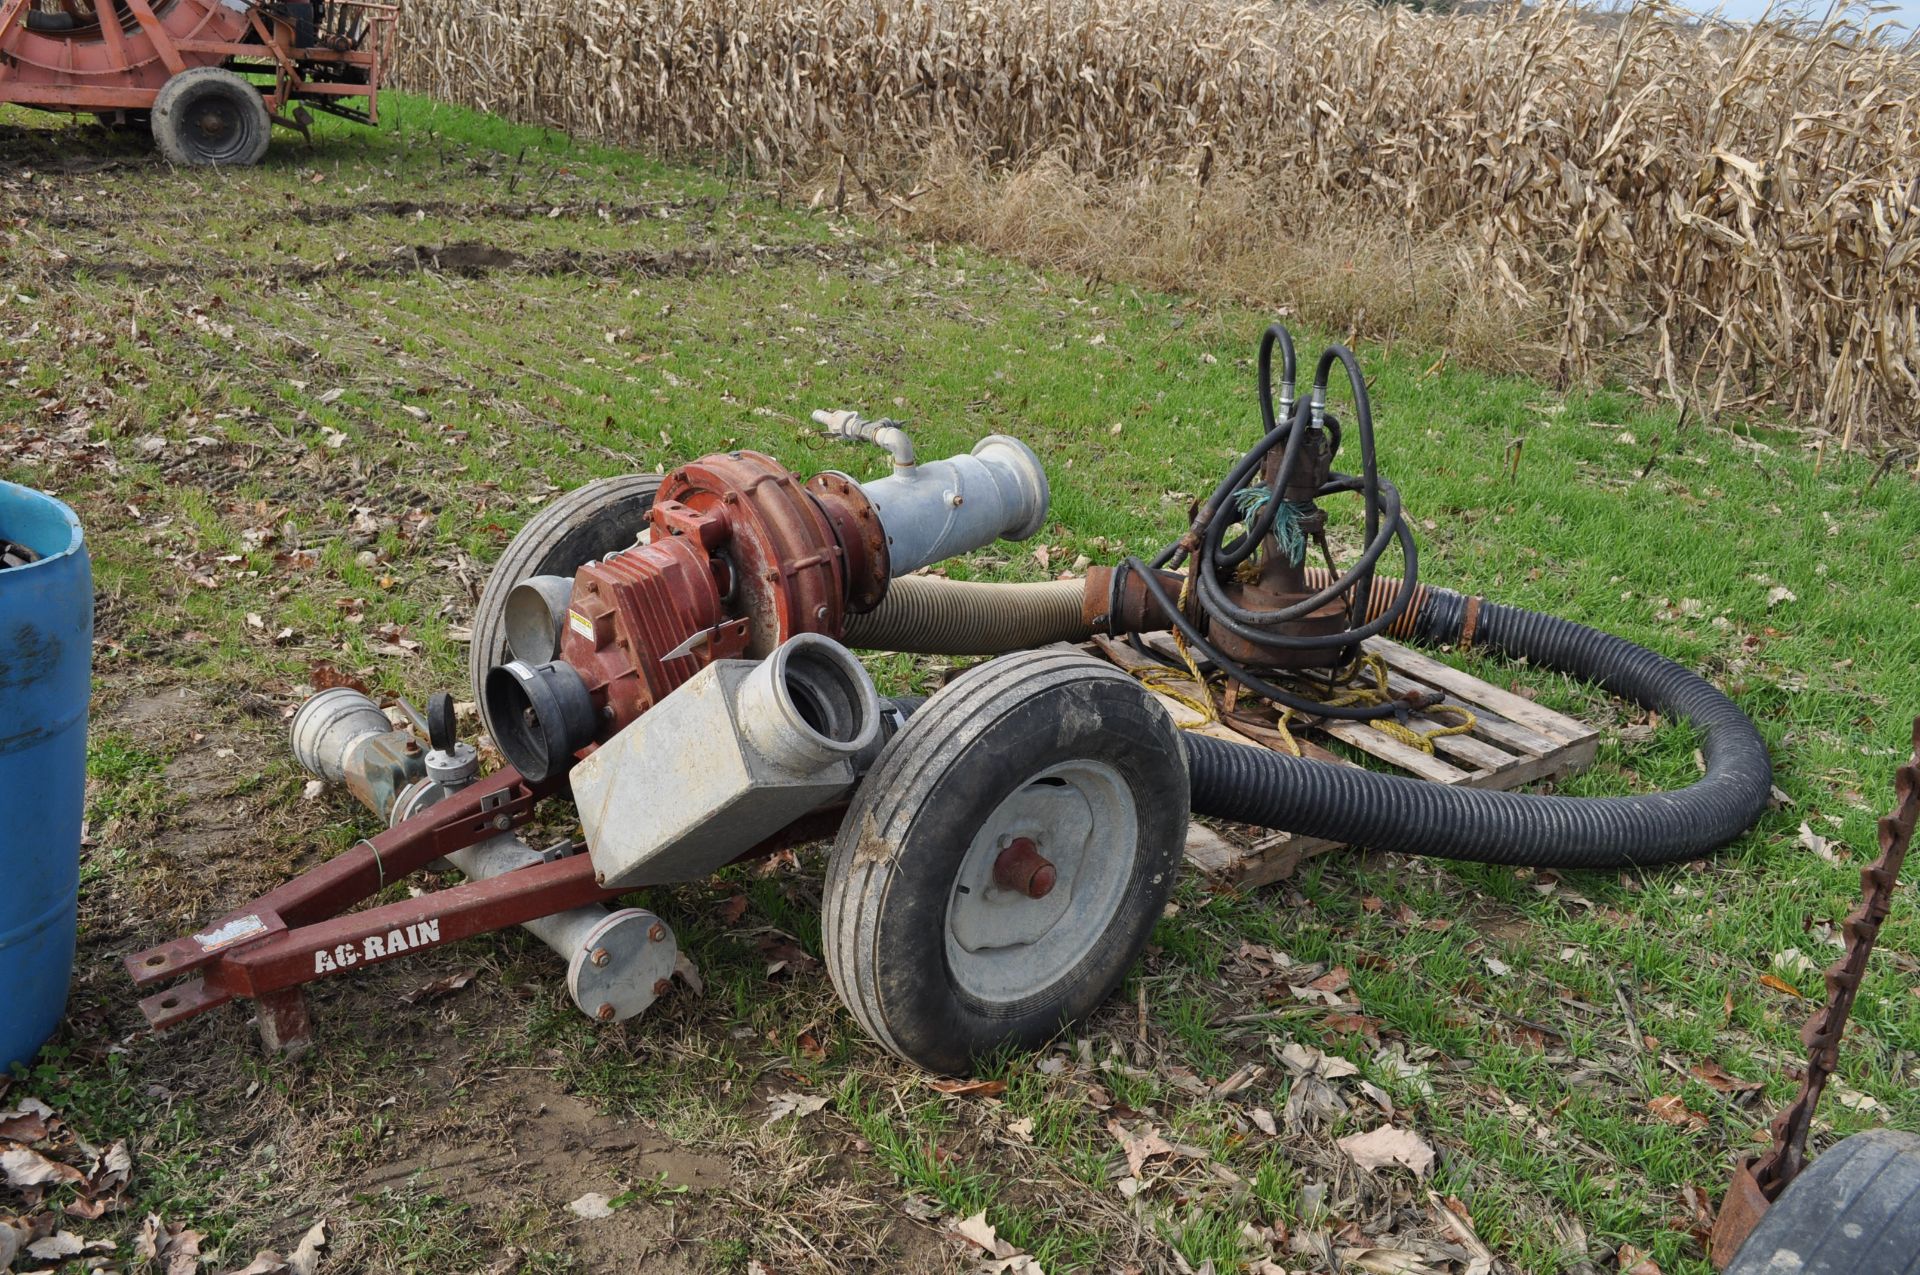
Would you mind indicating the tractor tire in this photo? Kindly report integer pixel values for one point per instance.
(209, 116)
(1853, 1211)
(589, 522)
(939, 957)
(39, 20)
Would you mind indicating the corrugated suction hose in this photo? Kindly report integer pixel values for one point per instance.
(1388, 812)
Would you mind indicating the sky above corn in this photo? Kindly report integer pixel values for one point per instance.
(1903, 11)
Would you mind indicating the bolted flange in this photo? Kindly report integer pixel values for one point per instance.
(622, 965)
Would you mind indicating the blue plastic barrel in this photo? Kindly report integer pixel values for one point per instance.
(46, 663)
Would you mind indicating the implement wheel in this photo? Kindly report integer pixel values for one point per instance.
(1853, 1211)
(1005, 861)
(207, 115)
(587, 523)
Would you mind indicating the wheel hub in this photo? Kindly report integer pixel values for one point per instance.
(213, 121)
(1022, 869)
(1041, 881)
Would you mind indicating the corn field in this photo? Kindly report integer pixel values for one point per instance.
(1732, 214)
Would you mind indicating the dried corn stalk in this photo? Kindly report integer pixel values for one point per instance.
(1744, 207)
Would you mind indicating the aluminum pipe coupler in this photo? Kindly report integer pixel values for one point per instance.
(342, 736)
(535, 617)
(809, 704)
(945, 508)
(329, 726)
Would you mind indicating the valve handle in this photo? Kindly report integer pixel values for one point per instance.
(440, 722)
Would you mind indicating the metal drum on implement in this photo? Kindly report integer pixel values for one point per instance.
(46, 658)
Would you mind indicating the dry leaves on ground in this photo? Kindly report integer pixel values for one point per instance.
(782, 1105)
(1673, 1109)
(1002, 1258)
(1389, 1145)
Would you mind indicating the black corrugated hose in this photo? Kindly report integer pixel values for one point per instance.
(1387, 812)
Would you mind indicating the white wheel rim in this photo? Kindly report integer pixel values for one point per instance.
(1003, 946)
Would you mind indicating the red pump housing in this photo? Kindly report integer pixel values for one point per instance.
(741, 556)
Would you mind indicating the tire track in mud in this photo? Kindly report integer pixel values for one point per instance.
(473, 258)
(464, 210)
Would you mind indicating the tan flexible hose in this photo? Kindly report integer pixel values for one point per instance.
(931, 615)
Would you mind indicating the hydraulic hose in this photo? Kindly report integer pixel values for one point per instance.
(931, 615)
(1388, 812)
(1293, 431)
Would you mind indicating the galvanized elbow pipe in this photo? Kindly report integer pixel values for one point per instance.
(945, 508)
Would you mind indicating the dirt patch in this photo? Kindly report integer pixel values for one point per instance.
(447, 209)
(550, 1144)
(212, 840)
(543, 1145)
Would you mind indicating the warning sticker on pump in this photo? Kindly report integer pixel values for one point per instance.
(580, 624)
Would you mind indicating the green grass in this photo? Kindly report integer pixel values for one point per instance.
(257, 414)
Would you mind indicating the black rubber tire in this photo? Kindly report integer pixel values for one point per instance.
(1853, 1211)
(207, 115)
(38, 20)
(589, 522)
(900, 848)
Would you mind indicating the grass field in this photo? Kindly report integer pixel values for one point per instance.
(300, 410)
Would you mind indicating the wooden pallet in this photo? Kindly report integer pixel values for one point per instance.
(1514, 741)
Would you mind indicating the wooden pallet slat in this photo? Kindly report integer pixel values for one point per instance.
(1513, 741)
(1516, 708)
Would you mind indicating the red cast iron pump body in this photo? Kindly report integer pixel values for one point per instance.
(742, 556)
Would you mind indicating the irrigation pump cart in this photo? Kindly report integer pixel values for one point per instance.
(672, 655)
(210, 78)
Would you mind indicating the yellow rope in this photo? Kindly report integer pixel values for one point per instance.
(1283, 723)
(1378, 693)
(1166, 682)
(1163, 681)
(1180, 641)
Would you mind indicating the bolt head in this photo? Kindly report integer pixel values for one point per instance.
(600, 956)
(503, 822)
(657, 932)
(660, 987)
(605, 1013)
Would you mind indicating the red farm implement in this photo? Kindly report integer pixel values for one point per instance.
(209, 77)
